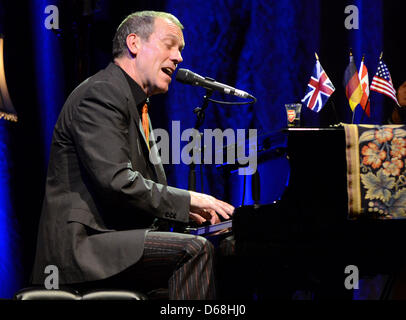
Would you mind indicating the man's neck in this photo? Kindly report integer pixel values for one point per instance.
(125, 64)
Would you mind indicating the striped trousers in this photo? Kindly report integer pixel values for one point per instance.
(174, 266)
(187, 261)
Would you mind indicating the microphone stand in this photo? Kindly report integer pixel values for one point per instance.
(200, 115)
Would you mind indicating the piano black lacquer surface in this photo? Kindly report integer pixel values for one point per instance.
(304, 240)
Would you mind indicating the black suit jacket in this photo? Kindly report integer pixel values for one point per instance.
(102, 192)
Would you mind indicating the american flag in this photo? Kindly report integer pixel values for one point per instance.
(319, 89)
(382, 82)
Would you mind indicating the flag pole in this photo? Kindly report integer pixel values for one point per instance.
(353, 111)
(317, 57)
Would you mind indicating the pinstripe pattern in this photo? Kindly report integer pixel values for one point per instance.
(186, 259)
(174, 266)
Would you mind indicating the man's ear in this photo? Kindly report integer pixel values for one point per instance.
(133, 43)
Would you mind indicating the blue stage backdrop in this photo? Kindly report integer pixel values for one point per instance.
(265, 47)
(48, 69)
(10, 253)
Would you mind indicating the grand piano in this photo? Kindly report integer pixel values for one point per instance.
(303, 240)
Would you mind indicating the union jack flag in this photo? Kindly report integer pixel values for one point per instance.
(319, 89)
(382, 82)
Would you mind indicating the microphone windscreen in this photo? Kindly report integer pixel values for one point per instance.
(184, 76)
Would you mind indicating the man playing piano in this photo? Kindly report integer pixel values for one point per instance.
(102, 192)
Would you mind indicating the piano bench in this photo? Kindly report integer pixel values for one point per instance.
(40, 293)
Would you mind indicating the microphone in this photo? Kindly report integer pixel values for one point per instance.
(188, 77)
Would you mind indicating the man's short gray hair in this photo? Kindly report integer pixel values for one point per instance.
(142, 24)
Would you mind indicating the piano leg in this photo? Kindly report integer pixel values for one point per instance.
(253, 276)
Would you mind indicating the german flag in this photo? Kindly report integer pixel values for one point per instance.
(353, 89)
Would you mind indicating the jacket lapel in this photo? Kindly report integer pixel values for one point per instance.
(158, 168)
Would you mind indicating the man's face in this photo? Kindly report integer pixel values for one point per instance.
(157, 57)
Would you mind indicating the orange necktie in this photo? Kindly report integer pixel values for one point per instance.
(145, 122)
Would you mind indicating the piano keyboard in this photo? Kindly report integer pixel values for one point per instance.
(205, 230)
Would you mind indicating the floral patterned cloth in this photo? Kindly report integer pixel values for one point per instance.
(376, 176)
